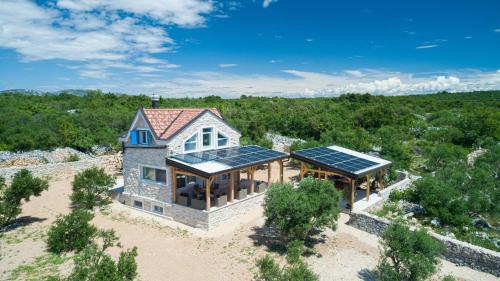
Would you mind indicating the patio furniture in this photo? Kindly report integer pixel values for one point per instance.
(240, 194)
(198, 203)
(183, 199)
(261, 187)
(220, 201)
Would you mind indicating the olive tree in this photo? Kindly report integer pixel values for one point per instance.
(71, 232)
(91, 188)
(23, 186)
(407, 255)
(296, 211)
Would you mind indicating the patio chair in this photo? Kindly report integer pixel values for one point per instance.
(198, 204)
(240, 194)
(261, 187)
(183, 199)
(220, 200)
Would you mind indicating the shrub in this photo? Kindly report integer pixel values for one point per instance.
(73, 157)
(71, 232)
(297, 270)
(295, 211)
(407, 255)
(91, 188)
(23, 186)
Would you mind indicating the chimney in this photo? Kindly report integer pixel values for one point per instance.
(155, 101)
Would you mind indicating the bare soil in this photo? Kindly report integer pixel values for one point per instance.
(171, 251)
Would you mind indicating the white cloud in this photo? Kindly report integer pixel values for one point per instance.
(496, 30)
(355, 73)
(468, 37)
(96, 31)
(427, 46)
(225, 65)
(274, 61)
(297, 83)
(309, 40)
(266, 3)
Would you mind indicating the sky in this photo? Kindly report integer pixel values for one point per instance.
(290, 48)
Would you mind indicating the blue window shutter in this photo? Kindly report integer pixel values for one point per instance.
(134, 137)
(149, 137)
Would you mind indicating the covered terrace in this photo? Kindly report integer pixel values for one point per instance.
(348, 169)
(204, 179)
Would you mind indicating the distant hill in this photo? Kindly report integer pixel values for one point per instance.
(76, 92)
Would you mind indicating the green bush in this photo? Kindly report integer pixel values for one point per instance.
(91, 188)
(71, 232)
(23, 186)
(296, 211)
(407, 255)
(73, 158)
(296, 270)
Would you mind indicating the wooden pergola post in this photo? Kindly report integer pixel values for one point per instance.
(353, 182)
(269, 173)
(231, 186)
(174, 184)
(367, 187)
(281, 170)
(251, 170)
(381, 180)
(208, 183)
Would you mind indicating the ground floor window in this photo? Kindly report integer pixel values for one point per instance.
(158, 209)
(137, 204)
(153, 174)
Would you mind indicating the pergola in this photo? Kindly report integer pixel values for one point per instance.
(342, 162)
(226, 161)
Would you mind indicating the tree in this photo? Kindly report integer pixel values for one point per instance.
(296, 270)
(91, 188)
(407, 255)
(94, 264)
(295, 211)
(23, 186)
(71, 232)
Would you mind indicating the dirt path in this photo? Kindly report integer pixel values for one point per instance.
(171, 251)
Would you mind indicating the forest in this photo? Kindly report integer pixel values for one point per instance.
(428, 135)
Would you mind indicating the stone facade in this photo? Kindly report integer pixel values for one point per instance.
(134, 159)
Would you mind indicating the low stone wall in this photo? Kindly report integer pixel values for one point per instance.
(457, 252)
(109, 162)
(196, 218)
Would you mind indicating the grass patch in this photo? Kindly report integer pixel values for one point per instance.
(388, 210)
(41, 268)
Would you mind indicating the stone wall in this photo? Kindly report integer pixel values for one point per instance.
(133, 160)
(110, 162)
(197, 218)
(457, 252)
(176, 145)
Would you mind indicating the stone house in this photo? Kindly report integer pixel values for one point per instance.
(156, 181)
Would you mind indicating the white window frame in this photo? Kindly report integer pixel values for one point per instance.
(211, 146)
(217, 139)
(136, 200)
(153, 205)
(140, 140)
(141, 175)
(196, 143)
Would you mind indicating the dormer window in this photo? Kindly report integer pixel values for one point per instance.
(191, 143)
(207, 137)
(143, 137)
(222, 140)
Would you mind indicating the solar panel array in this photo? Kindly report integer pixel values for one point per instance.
(336, 159)
(232, 156)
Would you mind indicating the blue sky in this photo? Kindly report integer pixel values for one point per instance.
(261, 47)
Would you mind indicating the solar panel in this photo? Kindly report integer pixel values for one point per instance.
(336, 159)
(232, 156)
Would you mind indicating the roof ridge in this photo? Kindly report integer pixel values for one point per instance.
(171, 123)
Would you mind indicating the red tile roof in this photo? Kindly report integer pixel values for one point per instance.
(165, 122)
